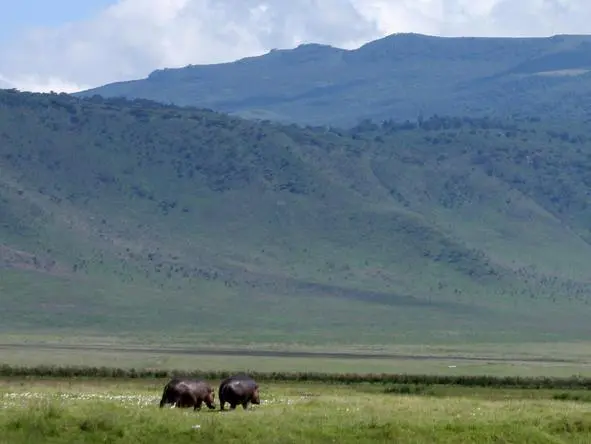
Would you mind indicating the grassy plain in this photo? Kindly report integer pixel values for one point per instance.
(207, 362)
(552, 360)
(579, 351)
(125, 411)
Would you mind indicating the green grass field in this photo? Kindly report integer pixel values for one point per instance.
(550, 359)
(443, 366)
(44, 406)
(126, 411)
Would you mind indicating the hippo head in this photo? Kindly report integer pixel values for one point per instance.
(256, 399)
(210, 399)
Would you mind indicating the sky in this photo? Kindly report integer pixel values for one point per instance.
(71, 45)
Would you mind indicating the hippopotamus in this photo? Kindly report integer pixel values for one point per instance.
(238, 389)
(188, 393)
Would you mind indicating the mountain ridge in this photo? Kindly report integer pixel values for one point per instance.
(400, 76)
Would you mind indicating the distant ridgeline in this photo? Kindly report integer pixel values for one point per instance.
(399, 77)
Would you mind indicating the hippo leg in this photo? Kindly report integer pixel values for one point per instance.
(245, 405)
(232, 406)
(197, 405)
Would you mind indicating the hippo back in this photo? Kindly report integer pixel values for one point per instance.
(187, 390)
(240, 387)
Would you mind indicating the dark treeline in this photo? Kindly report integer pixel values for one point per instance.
(543, 382)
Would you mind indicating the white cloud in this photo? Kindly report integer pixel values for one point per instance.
(507, 18)
(133, 37)
(41, 84)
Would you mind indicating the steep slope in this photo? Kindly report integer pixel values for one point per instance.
(135, 217)
(399, 77)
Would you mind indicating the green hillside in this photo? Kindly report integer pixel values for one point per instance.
(400, 76)
(138, 219)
